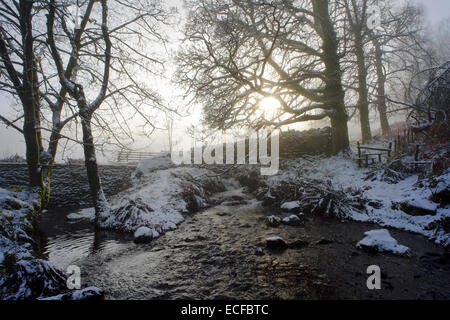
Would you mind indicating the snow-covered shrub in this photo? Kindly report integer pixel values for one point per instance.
(31, 279)
(440, 189)
(316, 197)
(22, 275)
(160, 197)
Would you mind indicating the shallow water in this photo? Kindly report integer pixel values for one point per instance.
(63, 242)
(220, 253)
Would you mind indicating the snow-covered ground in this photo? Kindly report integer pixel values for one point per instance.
(343, 173)
(160, 197)
(162, 194)
(16, 210)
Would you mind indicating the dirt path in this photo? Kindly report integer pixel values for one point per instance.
(221, 254)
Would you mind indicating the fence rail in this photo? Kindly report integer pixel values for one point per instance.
(133, 156)
(404, 141)
(371, 156)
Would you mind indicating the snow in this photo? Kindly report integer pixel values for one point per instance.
(382, 241)
(157, 201)
(14, 221)
(290, 205)
(291, 219)
(160, 196)
(82, 294)
(343, 173)
(274, 238)
(154, 163)
(273, 220)
(86, 213)
(146, 232)
(429, 206)
(32, 278)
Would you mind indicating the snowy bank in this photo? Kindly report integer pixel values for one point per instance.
(22, 275)
(160, 197)
(336, 186)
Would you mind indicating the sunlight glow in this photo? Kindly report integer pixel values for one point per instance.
(269, 105)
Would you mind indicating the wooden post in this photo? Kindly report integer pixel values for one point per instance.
(405, 141)
(359, 154)
(416, 155)
(379, 157)
(390, 149)
(367, 160)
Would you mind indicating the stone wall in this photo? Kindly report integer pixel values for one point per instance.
(69, 184)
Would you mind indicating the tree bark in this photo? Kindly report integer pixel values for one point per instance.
(363, 100)
(333, 91)
(76, 91)
(30, 97)
(98, 197)
(381, 91)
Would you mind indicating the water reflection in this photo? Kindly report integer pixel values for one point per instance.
(64, 243)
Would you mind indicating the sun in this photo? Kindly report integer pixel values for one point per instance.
(269, 105)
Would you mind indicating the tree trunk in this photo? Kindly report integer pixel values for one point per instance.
(30, 97)
(32, 146)
(339, 129)
(98, 197)
(363, 100)
(381, 80)
(333, 91)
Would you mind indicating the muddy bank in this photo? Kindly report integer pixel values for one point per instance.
(220, 253)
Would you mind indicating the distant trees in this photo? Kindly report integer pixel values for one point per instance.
(397, 45)
(380, 43)
(242, 52)
(357, 17)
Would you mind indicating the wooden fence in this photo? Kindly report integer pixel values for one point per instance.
(403, 141)
(125, 156)
(367, 157)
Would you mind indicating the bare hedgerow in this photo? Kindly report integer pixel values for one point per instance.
(315, 197)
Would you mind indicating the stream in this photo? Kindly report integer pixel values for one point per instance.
(220, 253)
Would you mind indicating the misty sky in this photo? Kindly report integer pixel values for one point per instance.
(436, 9)
(11, 142)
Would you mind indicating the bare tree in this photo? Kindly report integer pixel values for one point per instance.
(357, 16)
(396, 44)
(17, 52)
(239, 53)
(112, 45)
(22, 47)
